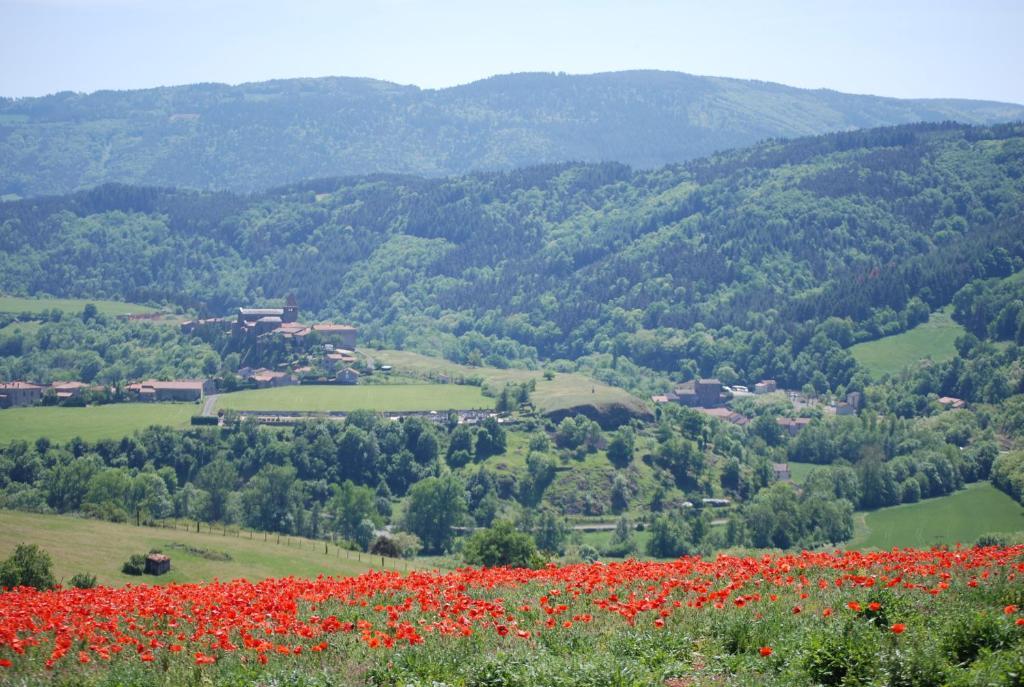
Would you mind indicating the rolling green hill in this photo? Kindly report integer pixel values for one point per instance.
(565, 392)
(286, 130)
(768, 261)
(932, 339)
(97, 547)
(960, 517)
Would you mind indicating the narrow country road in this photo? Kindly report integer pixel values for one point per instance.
(208, 404)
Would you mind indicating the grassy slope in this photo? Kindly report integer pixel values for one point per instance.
(960, 517)
(566, 390)
(97, 547)
(15, 304)
(23, 328)
(932, 339)
(798, 472)
(95, 422)
(389, 397)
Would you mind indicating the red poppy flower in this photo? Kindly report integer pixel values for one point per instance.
(898, 628)
(765, 651)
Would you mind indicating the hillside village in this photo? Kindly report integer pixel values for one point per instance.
(709, 397)
(327, 348)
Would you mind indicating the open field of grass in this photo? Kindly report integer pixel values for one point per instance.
(600, 539)
(566, 390)
(17, 304)
(960, 517)
(932, 339)
(379, 397)
(97, 547)
(23, 328)
(95, 422)
(798, 472)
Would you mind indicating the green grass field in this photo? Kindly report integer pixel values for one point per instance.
(379, 397)
(932, 339)
(600, 539)
(798, 472)
(566, 390)
(97, 547)
(960, 517)
(23, 328)
(95, 422)
(16, 304)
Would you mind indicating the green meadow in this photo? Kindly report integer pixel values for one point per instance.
(17, 304)
(798, 472)
(932, 339)
(111, 421)
(98, 547)
(960, 517)
(378, 397)
(566, 390)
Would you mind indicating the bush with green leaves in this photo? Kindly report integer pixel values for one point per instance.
(28, 566)
(83, 580)
(135, 565)
(500, 545)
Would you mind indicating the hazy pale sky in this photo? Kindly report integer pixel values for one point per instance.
(902, 48)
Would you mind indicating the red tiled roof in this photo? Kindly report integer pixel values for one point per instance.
(331, 327)
(19, 385)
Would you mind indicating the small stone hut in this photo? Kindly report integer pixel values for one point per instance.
(157, 564)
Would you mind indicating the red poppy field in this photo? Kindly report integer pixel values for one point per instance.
(904, 617)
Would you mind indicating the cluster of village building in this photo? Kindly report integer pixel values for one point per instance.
(708, 396)
(19, 394)
(336, 344)
(257, 323)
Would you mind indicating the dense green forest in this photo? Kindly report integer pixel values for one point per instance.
(255, 136)
(763, 262)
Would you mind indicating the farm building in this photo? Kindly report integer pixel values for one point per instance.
(348, 376)
(267, 379)
(66, 390)
(950, 403)
(793, 426)
(343, 335)
(184, 390)
(726, 414)
(18, 394)
(157, 564)
(844, 408)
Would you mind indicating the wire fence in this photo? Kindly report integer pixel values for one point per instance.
(329, 548)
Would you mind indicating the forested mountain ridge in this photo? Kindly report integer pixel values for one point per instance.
(255, 136)
(767, 261)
